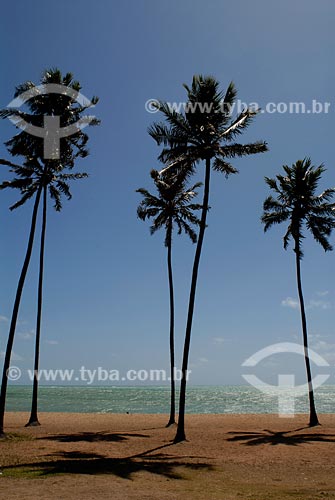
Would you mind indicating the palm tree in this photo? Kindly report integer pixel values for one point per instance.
(297, 203)
(37, 175)
(171, 207)
(204, 131)
(33, 420)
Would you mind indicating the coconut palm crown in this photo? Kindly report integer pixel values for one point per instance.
(205, 130)
(44, 102)
(172, 205)
(297, 203)
(32, 175)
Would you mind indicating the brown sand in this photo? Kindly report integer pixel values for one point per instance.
(226, 457)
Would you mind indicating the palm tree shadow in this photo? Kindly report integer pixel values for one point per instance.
(77, 462)
(92, 437)
(144, 453)
(284, 437)
(162, 456)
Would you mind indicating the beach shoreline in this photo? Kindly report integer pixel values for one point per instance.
(227, 457)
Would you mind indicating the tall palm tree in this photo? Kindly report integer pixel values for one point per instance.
(171, 207)
(297, 203)
(203, 132)
(33, 420)
(35, 176)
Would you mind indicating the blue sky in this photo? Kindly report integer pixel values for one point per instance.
(106, 295)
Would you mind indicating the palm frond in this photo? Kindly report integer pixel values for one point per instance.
(73, 177)
(224, 167)
(238, 150)
(64, 188)
(9, 163)
(163, 134)
(21, 184)
(55, 195)
(27, 195)
(238, 125)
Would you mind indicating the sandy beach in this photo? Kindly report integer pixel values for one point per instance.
(226, 457)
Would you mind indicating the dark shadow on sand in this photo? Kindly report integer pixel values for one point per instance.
(74, 462)
(289, 438)
(92, 437)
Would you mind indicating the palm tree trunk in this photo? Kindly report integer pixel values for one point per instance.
(172, 360)
(33, 420)
(16, 311)
(180, 435)
(313, 418)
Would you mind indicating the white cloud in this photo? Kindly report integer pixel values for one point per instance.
(21, 322)
(218, 340)
(311, 304)
(322, 347)
(51, 342)
(14, 356)
(200, 362)
(4, 319)
(322, 294)
(26, 335)
(318, 304)
(289, 302)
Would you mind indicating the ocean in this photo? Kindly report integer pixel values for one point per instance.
(153, 399)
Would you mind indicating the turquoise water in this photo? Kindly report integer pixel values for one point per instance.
(211, 399)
